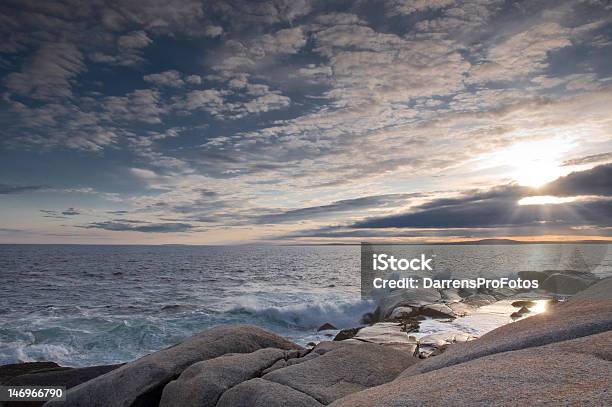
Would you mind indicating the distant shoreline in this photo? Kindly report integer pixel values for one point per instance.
(483, 242)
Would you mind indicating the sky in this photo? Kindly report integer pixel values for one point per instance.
(304, 121)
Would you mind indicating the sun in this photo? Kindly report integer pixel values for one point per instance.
(535, 163)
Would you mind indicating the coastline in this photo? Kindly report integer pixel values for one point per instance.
(395, 331)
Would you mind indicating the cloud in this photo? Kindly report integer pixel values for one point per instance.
(498, 207)
(170, 78)
(135, 39)
(350, 206)
(406, 7)
(142, 105)
(593, 158)
(596, 181)
(522, 53)
(49, 73)
(6, 189)
(71, 212)
(138, 226)
(229, 104)
(65, 214)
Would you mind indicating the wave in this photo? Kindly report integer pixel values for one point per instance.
(342, 314)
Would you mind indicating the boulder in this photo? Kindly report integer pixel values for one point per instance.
(343, 370)
(56, 376)
(400, 298)
(401, 312)
(141, 382)
(10, 371)
(326, 327)
(567, 283)
(523, 303)
(68, 377)
(461, 309)
(263, 393)
(201, 384)
(520, 312)
(388, 334)
(437, 311)
(451, 295)
(540, 276)
(346, 334)
(568, 373)
(479, 300)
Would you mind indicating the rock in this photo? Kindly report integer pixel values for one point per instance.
(263, 393)
(601, 292)
(327, 346)
(479, 300)
(344, 370)
(520, 312)
(346, 334)
(368, 318)
(568, 373)
(311, 344)
(8, 372)
(68, 377)
(567, 283)
(401, 312)
(400, 298)
(202, 383)
(437, 311)
(445, 338)
(466, 292)
(388, 334)
(53, 376)
(523, 303)
(436, 344)
(540, 276)
(451, 295)
(279, 364)
(141, 382)
(461, 309)
(295, 361)
(501, 293)
(326, 327)
(587, 313)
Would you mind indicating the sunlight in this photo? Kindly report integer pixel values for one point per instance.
(535, 163)
(545, 200)
(539, 307)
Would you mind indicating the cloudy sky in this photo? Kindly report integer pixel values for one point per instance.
(167, 121)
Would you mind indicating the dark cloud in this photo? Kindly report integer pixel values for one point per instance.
(346, 205)
(498, 207)
(596, 181)
(71, 212)
(6, 189)
(498, 212)
(60, 214)
(137, 226)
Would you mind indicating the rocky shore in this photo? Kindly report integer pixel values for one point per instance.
(561, 356)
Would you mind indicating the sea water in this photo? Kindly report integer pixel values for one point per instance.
(85, 305)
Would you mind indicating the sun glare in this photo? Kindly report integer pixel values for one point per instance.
(545, 200)
(535, 163)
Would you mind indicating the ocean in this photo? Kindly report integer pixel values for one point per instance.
(81, 305)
